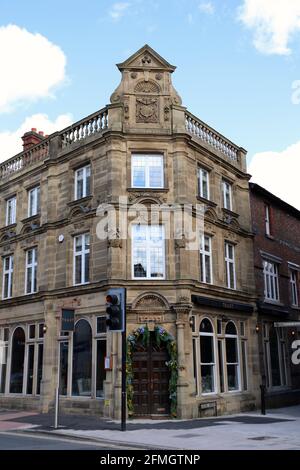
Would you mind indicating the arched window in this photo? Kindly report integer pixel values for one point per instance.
(82, 359)
(207, 357)
(232, 357)
(17, 361)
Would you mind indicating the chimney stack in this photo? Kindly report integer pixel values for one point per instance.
(32, 138)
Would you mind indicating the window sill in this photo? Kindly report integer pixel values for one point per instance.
(208, 202)
(80, 201)
(230, 212)
(270, 237)
(154, 190)
(273, 302)
(32, 218)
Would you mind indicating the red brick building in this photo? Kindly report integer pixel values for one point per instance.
(276, 228)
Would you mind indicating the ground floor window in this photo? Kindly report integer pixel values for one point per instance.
(219, 356)
(275, 356)
(17, 361)
(82, 359)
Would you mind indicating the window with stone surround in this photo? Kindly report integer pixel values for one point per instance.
(31, 271)
(11, 210)
(206, 259)
(82, 182)
(34, 201)
(203, 183)
(148, 252)
(230, 265)
(81, 259)
(271, 287)
(147, 171)
(8, 269)
(294, 287)
(227, 195)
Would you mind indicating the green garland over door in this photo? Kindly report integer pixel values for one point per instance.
(161, 336)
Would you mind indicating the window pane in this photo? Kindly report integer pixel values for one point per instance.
(82, 359)
(29, 279)
(78, 269)
(31, 331)
(156, 262)
(101, 325)
(17, 361)
(207, 379)
(3, 369)
(64, 364)
(274, 355)
(206, 349)
(221, 369)
(87, 268)
(244, 360)
(155, 180)
(40, 368)
(100, 371)
(139, 177)
(30, 369)
(231, 350)
(232, 377)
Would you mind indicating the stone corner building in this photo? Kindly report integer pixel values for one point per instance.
(146, 146)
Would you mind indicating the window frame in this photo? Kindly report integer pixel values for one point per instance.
(200, 175)
(146, 170)
(227, 184)
(34, 208)
(81, 253)
(33, 265)
(230, 262)
(211, 364)
(236, 364)
(8, 272)
(84, 181)
(268, 220)
(203, 255)
(11, 211)
(271, 280)
(148, 253)
(294, 287)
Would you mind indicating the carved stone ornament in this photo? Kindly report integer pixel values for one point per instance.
(147, 109)
(150, 302)
(133, 75)
(147, 87)
(146, 60)
(115, 243)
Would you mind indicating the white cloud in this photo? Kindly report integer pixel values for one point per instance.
(279, 172)
(11, 142)
(118, 10)
(31, 66)
(207, 7)
(273, 22)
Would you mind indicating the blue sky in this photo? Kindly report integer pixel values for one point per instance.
(237, 61)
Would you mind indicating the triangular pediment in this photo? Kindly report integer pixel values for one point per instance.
(146, 58)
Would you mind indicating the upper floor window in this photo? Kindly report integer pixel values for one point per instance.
(8, 267)
(267, 220)
(230, 266)
(205, 259)
(227, 195)
(203, 183)
(31, 271)
(271, 280)
(11, 208)
(83, 182)
(33, 201)
(148, 252)
(147, 171)
(82, 259)
(294, 287)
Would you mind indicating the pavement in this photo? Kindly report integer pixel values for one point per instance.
(278, 430)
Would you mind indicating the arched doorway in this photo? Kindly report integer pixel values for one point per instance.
(82, 359)
(151, 376)
(17, 361)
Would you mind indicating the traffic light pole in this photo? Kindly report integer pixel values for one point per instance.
(123, 395)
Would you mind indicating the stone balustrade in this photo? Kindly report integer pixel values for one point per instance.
(25, 159)
(205, 133)
(93, 124)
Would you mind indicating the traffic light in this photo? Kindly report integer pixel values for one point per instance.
(115, 310)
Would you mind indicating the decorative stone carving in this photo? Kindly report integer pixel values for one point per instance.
(159, 76)
(150, 301)
(166, 113)
(114, 243)
(146, 87)
(180, 242)
(146, 60)
(144, 197)
(146, 109)
(133, 75)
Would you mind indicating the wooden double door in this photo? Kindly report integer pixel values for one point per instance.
(150, 379)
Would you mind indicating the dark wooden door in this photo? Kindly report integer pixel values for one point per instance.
(150, 379)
